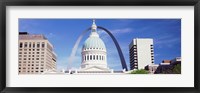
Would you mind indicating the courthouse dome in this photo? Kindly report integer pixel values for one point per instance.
(94, 42)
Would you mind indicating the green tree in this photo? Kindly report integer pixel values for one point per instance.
(140, 71)
(177, 69)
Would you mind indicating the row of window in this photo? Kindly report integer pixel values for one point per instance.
(31, 53)
(31, 68)
(30, 62)
(32, 44)
(94, 57)
(93, 48)
(31, 65)
(31, 56)
(31, 49)
(30, 71)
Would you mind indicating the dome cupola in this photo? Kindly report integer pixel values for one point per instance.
(94, 42)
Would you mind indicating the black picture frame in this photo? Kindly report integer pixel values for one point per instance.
(4, 3)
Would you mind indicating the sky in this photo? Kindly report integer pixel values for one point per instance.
(63, 33)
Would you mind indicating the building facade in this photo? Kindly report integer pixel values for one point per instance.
(141, 53)
(35, 54)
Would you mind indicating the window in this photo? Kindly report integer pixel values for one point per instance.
(102, 58)
(85, 57)
(37, 58)
(93, 57)
(90, 57)
(29, 44)
(38, 52)
(97, 57)
(20, 45)
(43, 44)
(25, 45)
(38, 44)
(33, 44)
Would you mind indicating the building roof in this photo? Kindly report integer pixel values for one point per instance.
(32, 37)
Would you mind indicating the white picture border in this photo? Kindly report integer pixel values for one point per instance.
(185, 79)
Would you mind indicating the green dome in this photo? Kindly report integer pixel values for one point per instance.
(94, 42)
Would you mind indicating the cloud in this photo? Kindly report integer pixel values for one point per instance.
(116, 31)
(121, 31)
(106, 38)
(168, 41)
(50, 35)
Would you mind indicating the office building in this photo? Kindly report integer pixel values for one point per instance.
(35, 54)
(141, 53)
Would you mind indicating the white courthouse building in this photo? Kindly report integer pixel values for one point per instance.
(94, 55)
(141, 53)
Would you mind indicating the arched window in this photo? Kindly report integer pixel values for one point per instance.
(93, 57)
(102, 58)
(97, 57)
(90, 57)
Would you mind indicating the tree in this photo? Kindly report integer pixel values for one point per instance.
(140, 71)
(177, 69)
